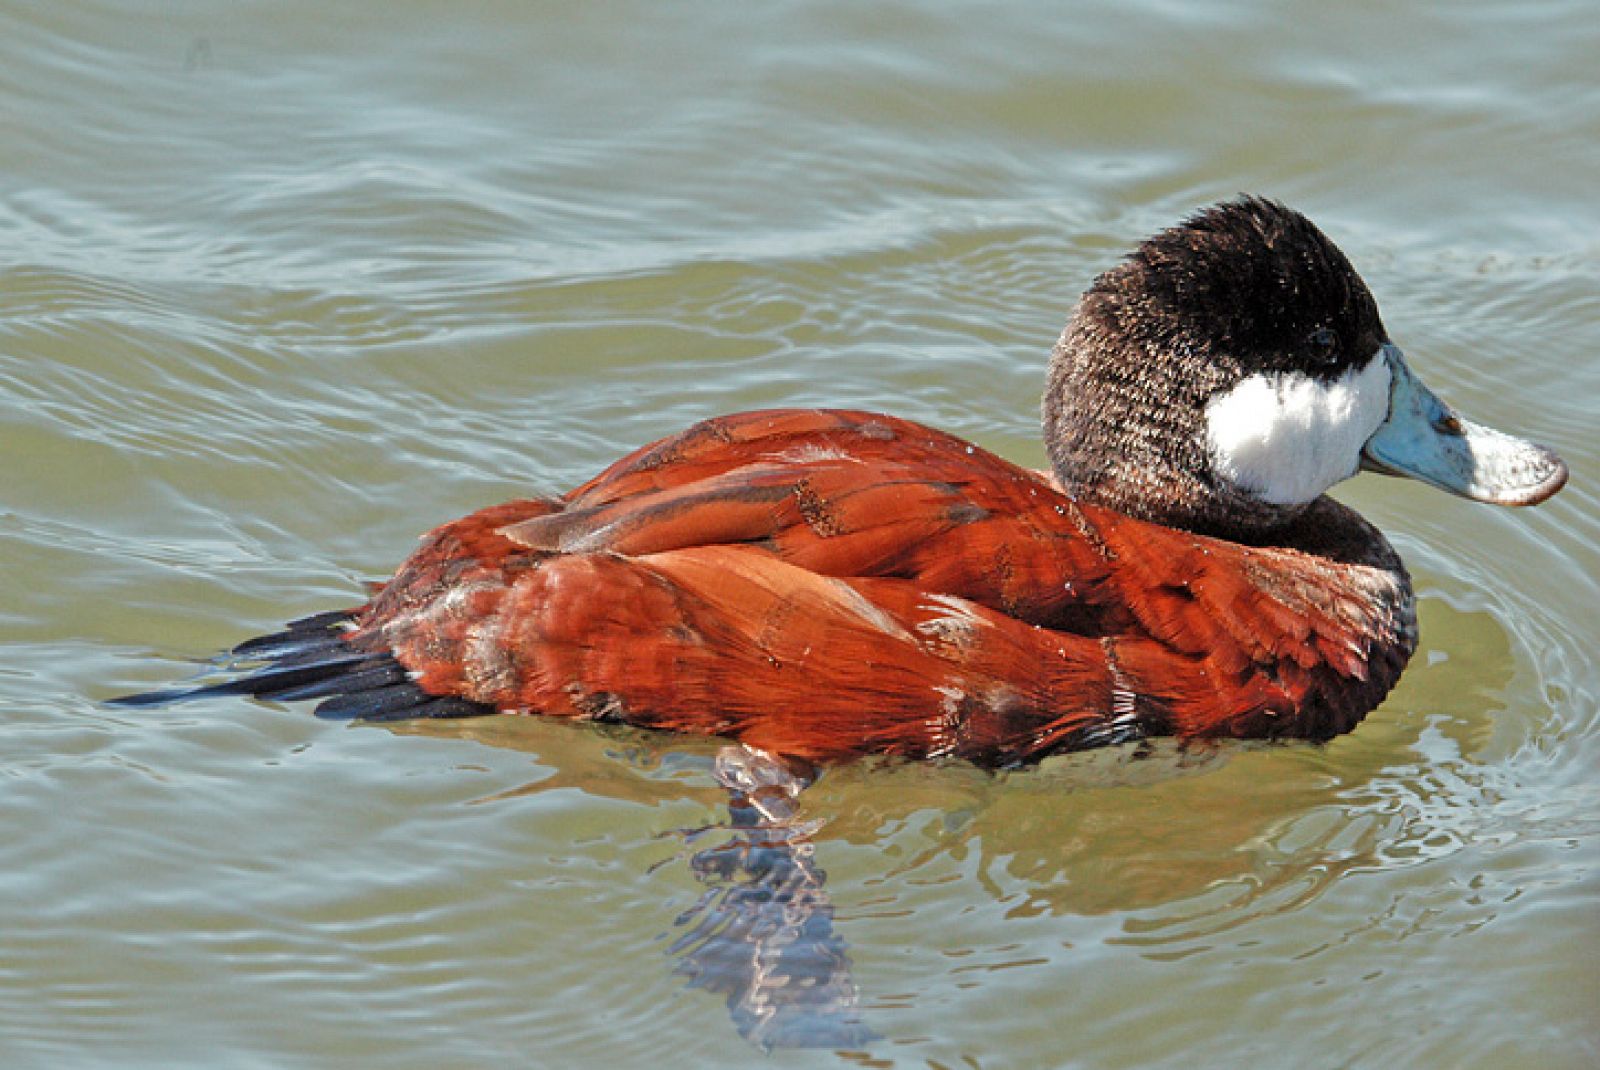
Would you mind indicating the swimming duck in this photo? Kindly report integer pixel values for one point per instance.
(821, 584)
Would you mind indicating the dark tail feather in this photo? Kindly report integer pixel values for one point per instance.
(310, 659)
(315, 631)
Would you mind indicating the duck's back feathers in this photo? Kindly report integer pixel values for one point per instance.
(823, 584)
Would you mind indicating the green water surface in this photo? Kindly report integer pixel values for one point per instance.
(283, 285)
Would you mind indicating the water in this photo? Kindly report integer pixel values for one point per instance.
(286, 284)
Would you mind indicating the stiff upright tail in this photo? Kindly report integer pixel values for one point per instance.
(311, 659)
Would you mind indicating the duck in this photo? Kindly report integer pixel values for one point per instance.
(825, 584)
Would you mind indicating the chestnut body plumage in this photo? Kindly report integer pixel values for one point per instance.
(827, 583)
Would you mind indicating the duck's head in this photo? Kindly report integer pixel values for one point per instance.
(1234, 367)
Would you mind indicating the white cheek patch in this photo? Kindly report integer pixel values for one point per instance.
(1285, 438)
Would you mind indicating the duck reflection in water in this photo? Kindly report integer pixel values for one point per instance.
(762, 935)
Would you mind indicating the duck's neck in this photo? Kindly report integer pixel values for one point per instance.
(1341, 536)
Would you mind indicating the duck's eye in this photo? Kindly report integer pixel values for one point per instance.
(1324, 345)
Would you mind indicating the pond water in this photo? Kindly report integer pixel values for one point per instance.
(284, 285)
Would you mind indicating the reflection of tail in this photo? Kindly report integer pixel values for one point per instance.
(311, 659)
(762, 935)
